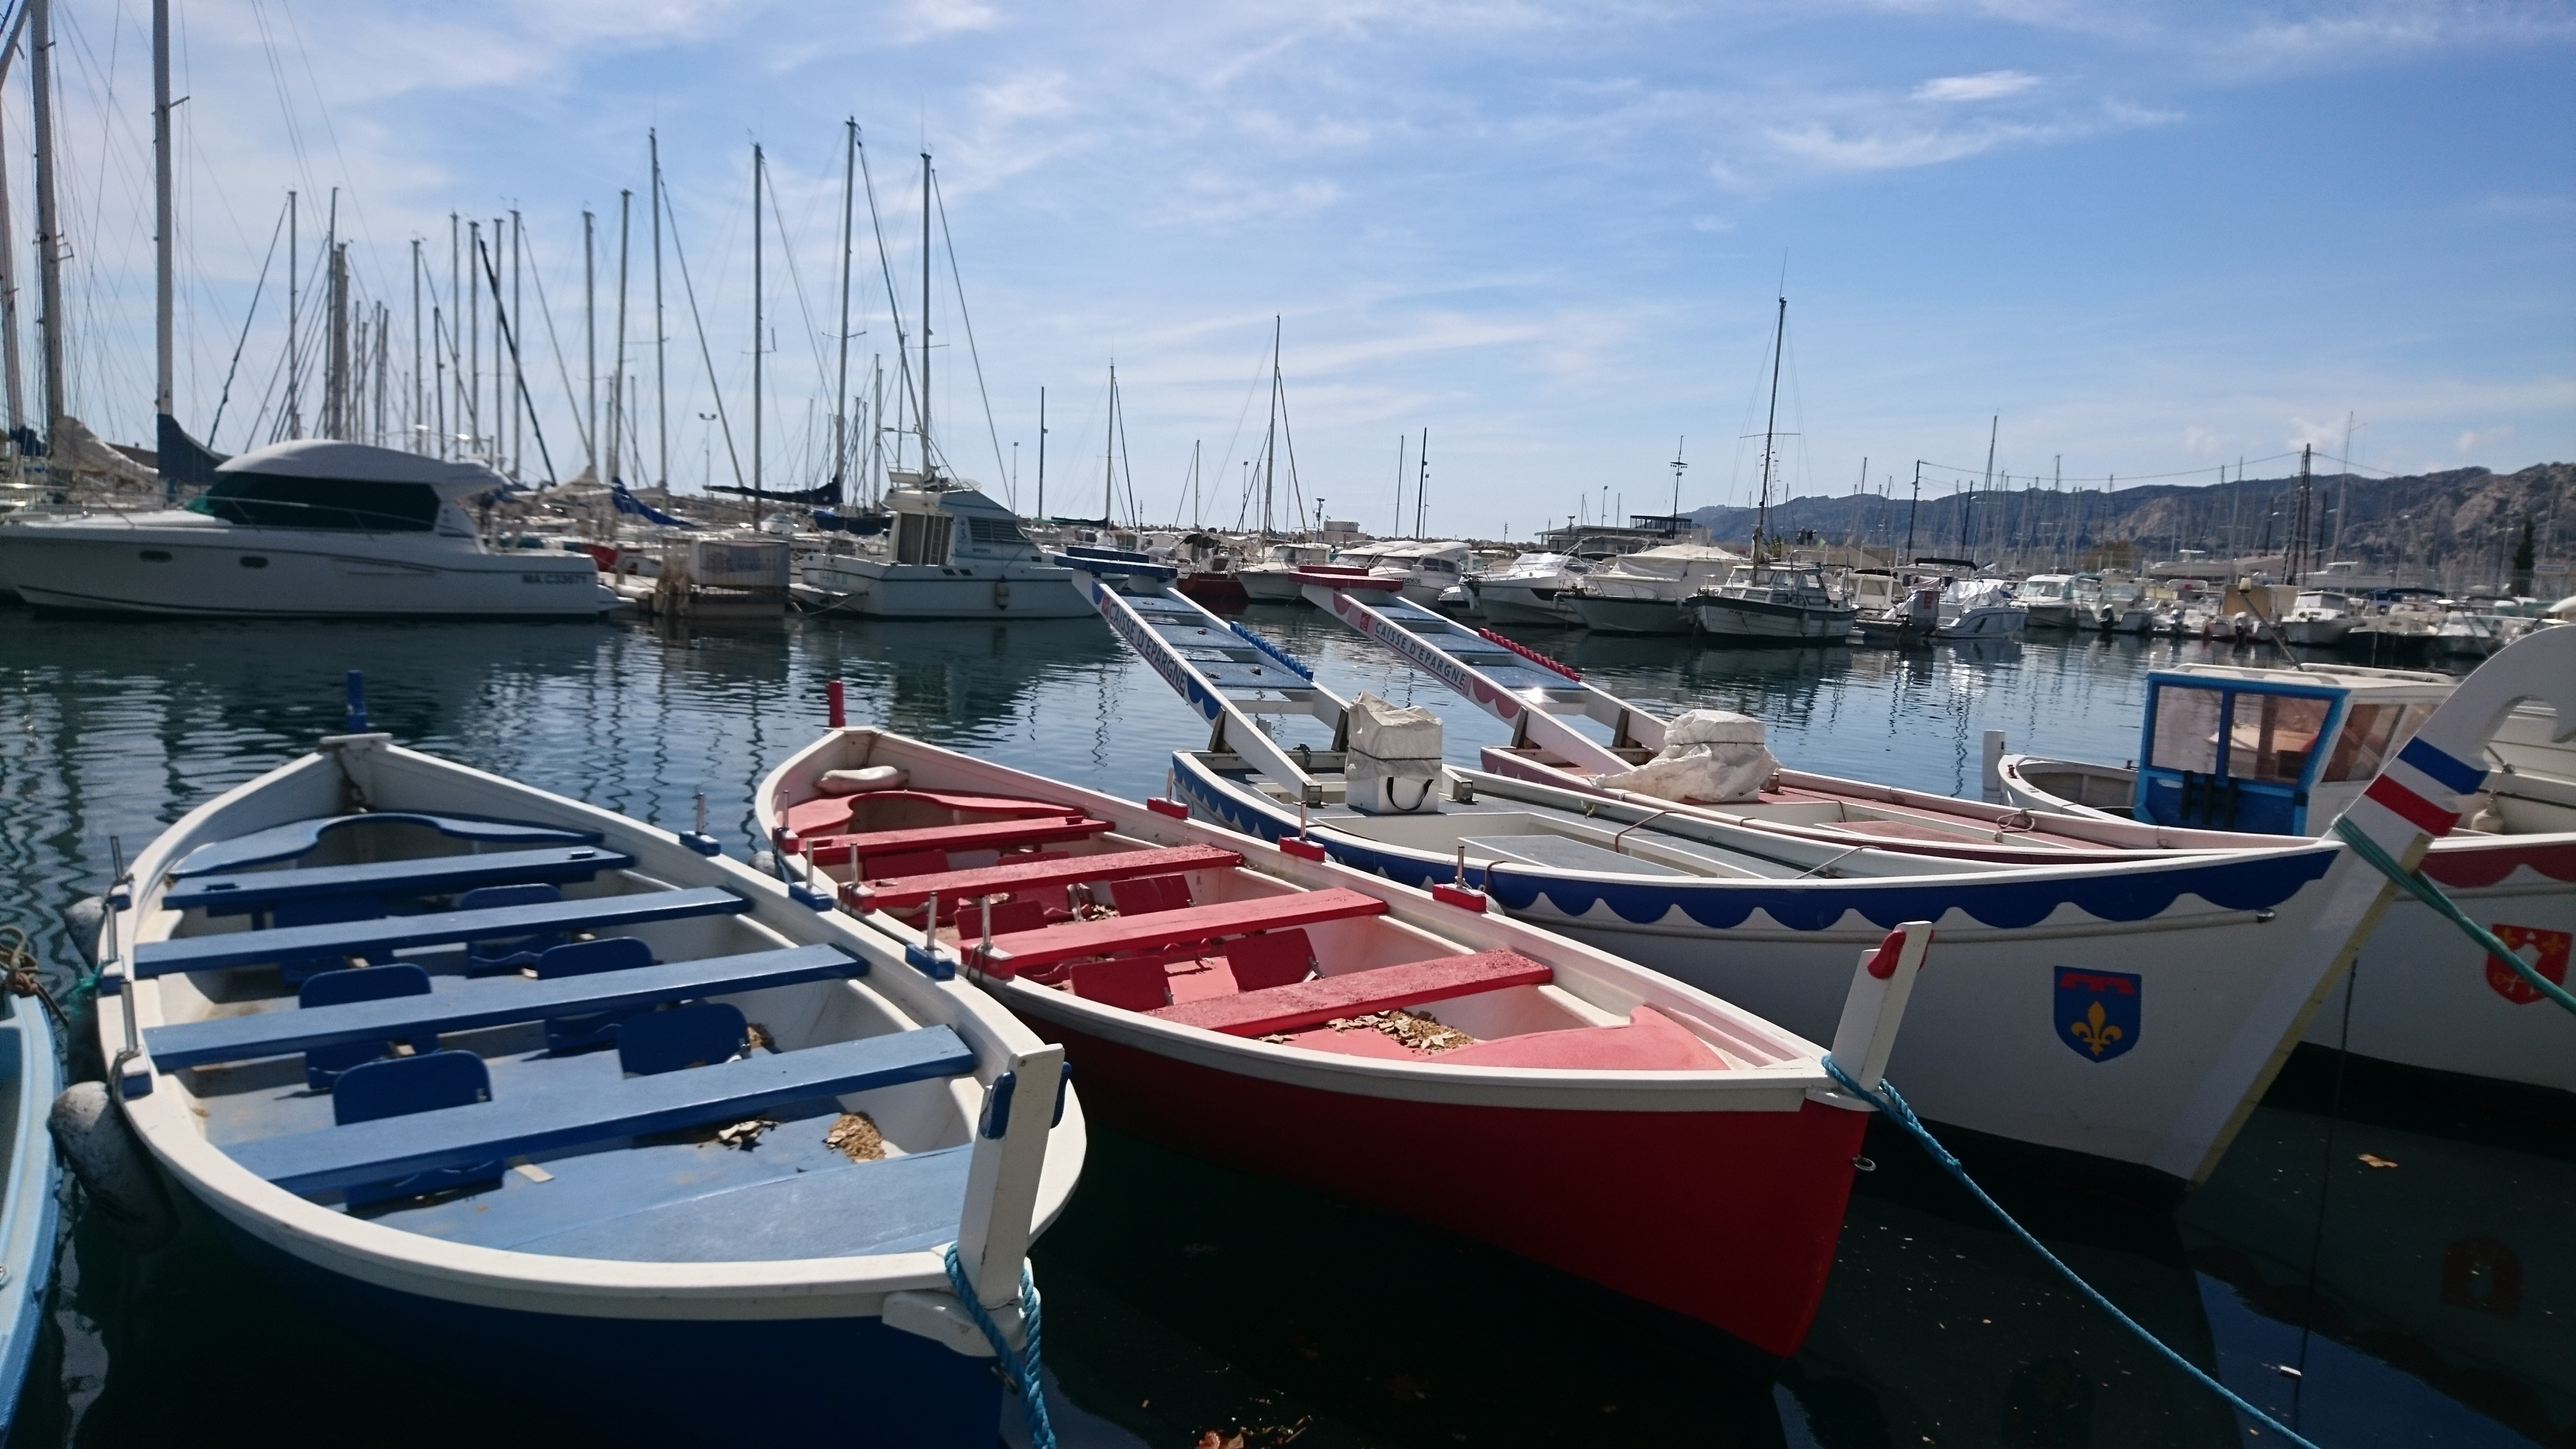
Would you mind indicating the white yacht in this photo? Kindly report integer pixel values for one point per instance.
(1780, 604)
(2318, 618)
(307, 528)
(1424, 569)
(1528, 590)
(952, 554)
(1274, 579)
(1980, 609)
(2049, 599)
(1642, 592)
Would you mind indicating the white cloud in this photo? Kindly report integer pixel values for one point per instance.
(1990, 85)
(929, 19)
(1890, 147)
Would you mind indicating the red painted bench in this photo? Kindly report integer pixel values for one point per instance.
(902, 892)
(1028, 950)
(1357, 993)
(987, 835)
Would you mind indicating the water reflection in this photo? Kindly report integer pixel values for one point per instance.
(1183, 1297)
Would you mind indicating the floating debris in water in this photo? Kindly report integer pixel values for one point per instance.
(2374, 1160)
(745, 1135)
(759, 1039)
(855, 1134)
(1418, 1030)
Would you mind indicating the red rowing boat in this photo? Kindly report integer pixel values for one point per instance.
(1288, 1016)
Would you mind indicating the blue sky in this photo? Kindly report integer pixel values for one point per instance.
(2153, 237)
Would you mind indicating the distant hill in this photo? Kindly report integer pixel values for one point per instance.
(2460, 527)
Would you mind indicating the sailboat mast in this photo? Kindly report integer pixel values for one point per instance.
(756, 348)
(925, 316)
(841, 384)
(1270, 447)
(661, 335)
(590, 337)
(1109, 459)
(1422, 483)
(1770, 426)
(49, 243)
(416, 394)
(1042, 432)
(617, 351)
(161, 211)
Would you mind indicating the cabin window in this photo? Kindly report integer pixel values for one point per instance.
(268, 500)
(2372, 734)
(253, 561)
(2186, 729)
(2269, 736)
(156, 555)
(922, 538)
(995, 532)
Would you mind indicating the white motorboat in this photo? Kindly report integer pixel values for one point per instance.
(2318, 619)
(310, 528)
(1273, 580)
(2048, 601)
(1779, 604)
(953, 554)
(1642, 592)
(1979, 609)
(1424, 570)
(1528, 590)
(2301, 746)
(580, 1111)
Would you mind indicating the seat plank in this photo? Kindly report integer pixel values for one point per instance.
(1026, 950)
(902, 892)
(440, 928)
(395, 1147)
(478, 1004)
(1356, 993)
(231, 895)
(986, 835)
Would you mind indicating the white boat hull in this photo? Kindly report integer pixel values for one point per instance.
(1543, 606)
(875, 589)
(241, 572)
(1766, 623)
(1610, 615)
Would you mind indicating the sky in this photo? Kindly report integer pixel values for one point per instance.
(2122, 240)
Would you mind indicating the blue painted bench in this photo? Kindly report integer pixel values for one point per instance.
(442, 928)
(451, 1137)
(480, 1004)
(439, 875)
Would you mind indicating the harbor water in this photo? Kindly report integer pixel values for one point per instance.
(2373, 1264)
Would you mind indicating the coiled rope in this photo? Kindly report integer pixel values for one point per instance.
(2431, 895)
(1022, 1367)
(19, 970)
(1892, 1104)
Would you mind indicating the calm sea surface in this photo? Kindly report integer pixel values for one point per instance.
(1182, 1298)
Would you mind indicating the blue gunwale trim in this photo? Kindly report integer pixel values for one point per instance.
(286, 842)
(2255, 881)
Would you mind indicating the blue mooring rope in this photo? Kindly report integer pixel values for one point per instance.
(1892, 1104)
(1022, 1367)
(2431, 895)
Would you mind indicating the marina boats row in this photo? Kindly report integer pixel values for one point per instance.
(2123, 989)
(546, 1099)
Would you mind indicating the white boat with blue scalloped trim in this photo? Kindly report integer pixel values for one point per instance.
(2121, 1009)
(577, 1110)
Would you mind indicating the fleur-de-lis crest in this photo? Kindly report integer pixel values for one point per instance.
(2094, 1031)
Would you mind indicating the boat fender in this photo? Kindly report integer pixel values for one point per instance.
(99, 1147)
(85, 919)
(861, 782)
(765, 862)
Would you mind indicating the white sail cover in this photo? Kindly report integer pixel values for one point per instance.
(1709, 755)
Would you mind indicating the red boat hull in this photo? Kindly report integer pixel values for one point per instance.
(1728, 1217)
(1221, 592)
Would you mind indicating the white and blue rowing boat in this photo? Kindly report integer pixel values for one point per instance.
(30, 1075)
(577, 1110)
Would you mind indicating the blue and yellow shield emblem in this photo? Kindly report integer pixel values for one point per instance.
(2097, 1012)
